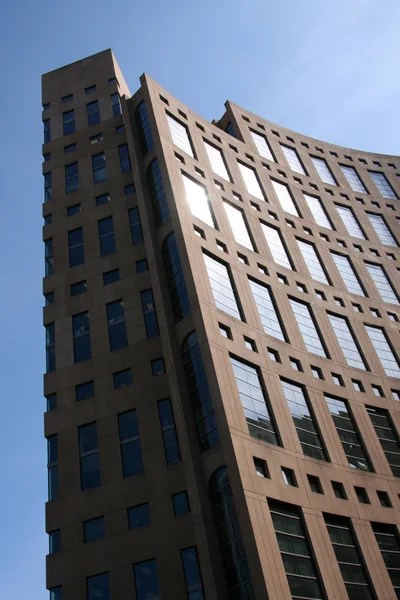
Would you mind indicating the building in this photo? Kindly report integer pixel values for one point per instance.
(222, 336)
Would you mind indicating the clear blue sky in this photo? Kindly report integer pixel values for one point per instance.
(329, 69)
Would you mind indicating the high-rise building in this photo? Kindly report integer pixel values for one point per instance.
(222, 337)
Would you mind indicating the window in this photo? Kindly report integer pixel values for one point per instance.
(46, 131)
(135, 225)
(90, 89)
(144, 129)
(296, 551)
(93, 113)
(348, 274)
(113, 81)
(68, 123)
(217, 160)
(56, 593)
(384, 351)
(268, 310)
(146, 580)
(106, 236)
(50, 348)
(261, 467)
(129, 189)
(139, 516)
(67, 98)
(89, 456)
(73, 210)
(52, 468)
(347, 342)
(131, 447)
(277, 246)
(225, 331)
(198, 201)
(353, 179)
(251, 181)
(387, 538)
(111, 277)
(222, 285)
(362, 495)
(382, 184)
(175, 278)
(308, 328)
(239, 226)
(384, 499)
(199, 393)
(349, 436)
(49, 298)
(142, 266)
(149, 313)
(54, 541)
(191, 569)
(95, 139)
(98, 586)
(313, 261)
(180, 503)
(78, 288)
(233, 552)
(293, 159)
(94, 529)
(81, 337)
(285, 198)
(387, 435)
(124, 159)
(116, 105)
(315, 484)
(338, 490)
(168, 430)
(103, 199)
(349, 558)
(48, 188)
(71, 178)
(99, 167)
(254, 402)
(382, 230)
(48, 257)
(122, 379)
(304, 420)
(180, 135)
(157, 193)
(157, 367)
(262, 145)
(83, 391)
(350, 222)
(51, 402)
(116, 325)
(46, 106)
(120, 129)
(323, 170)
(231, 130)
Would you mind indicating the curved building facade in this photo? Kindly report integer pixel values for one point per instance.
(222, 339)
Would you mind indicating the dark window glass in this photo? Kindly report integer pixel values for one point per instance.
(120, 129)
(181, 504)
(48, 257)
(387, 436)
(149, 314)
(81, 337)
(98, 587)
(116, 325)
(67, 98)
(112, 81)
(168, 429)
(111, 276)
(315, 484)
(99, 167)
(116, 105)
(71, 178)
(48, 188)
(106, 236)
(146, 580)
(46, 131)
(124, 158)
(122, 379)
(56, 593)
(52, 467)
(129, 189)
(90, 89)
(338, 490)
(289, 476)
(103, 199)
(50, 348)
(139, 516)
(384, 499)
(51, 402)
(47, 157)
(75, 247)
(68, 122)
(95, 139)
(69, 148)
(54, 541)
(144, 129)
(191, 569)
(230, 129)
(135, 225)
(46, 106)
(78, 288)
(387, 538)
(131, 447)
(49, 298)
(233, 553)
(48, 219)
(199, 393)
(362, 495)
(158, 367)
(94, 529)
(175, 278)
(73, 210)
(141, 266)
(89, 456)
(93, 113)
(84, 391)
(157, 193)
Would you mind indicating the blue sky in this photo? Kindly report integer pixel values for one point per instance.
(326, 69)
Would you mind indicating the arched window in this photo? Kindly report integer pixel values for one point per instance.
(175, 279)
(157, 192)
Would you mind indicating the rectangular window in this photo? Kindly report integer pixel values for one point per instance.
(54, 541)
(51, 402)
(68, 122)
(349, 436)
(71, 178)
(56, 593)
(382, 283)
(254, 402)
(48, 188)
(98, 586)
(90, 89)
(75, 247)
(308, 328)
(191, 569)
(146, 580)
(239, 226)
(122, 379)
(384, 187)
(198, 201)
(46, 131)
(180, 135)
(103, 199)
(168, 430)
(262, 145)
(131, 447)
(180, 502)
(135, 225)
(80, 287)
(94, 529)
(251, 181)
(83, 391)
(296, 552)
(81, 337)
(157, 193)
(285, 198)
(268, 310)
(349, 558)
(382, 230)
(323, 170)
(149, 313)
(348, 274)
(222, 286)
(350, 222)
(277, 246)
(48, 257)
(347, 342)
(293, 159)
(387, 436)
(353, 179)
(139, 516)
(217, 160)
(387, 538)
(116, 325)
(99, 167)
(384, 351)
(144, 129)
(124, 158)
(52, 468)
(111, 277)
(106, 236)
(93, 113)
(313, 261)
(318, 211)
(50, 348)
(67, 98)
(304, 421)
(89, 456)
(116, 105)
